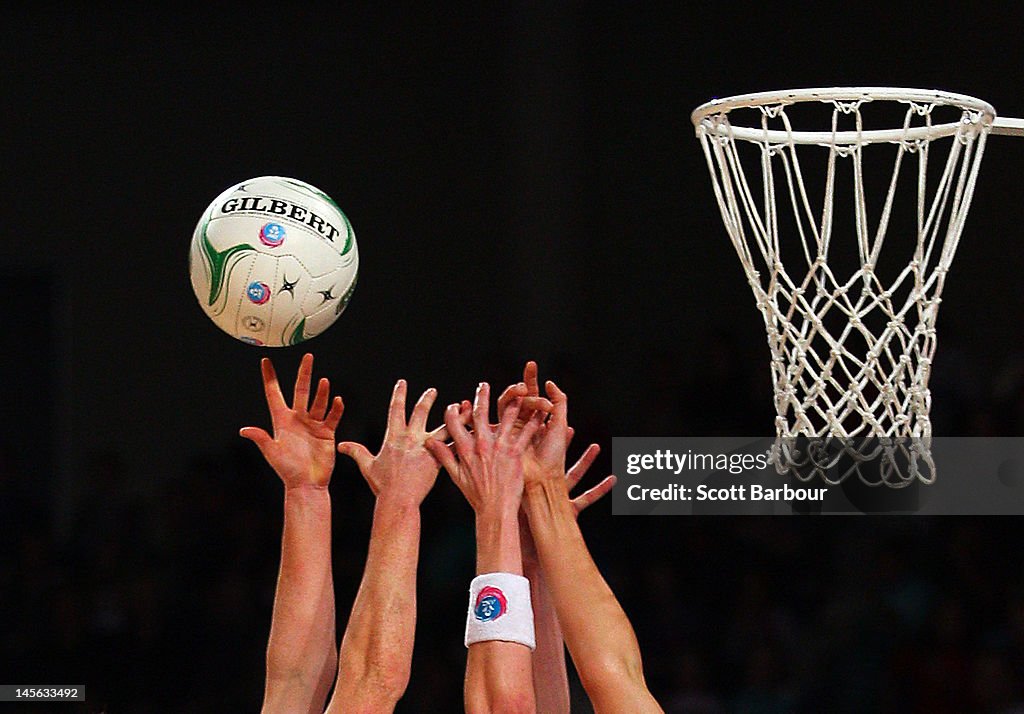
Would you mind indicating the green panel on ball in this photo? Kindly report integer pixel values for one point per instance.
(218, 262)
(297, 335)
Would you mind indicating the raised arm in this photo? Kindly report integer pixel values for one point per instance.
(550, 677)
(599, 636)
(376, 650)
(301, 653)
(486, 466)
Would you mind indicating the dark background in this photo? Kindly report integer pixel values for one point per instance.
(524, 183)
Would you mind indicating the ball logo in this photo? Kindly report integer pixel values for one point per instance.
(250, 340)
(490, 604)
(272, 234)
(258, 292)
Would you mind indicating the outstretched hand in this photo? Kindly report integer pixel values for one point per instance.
(579, 504)
(486, 464)
(403, 468)
(528, 392)
(301, 450)
(545, 459)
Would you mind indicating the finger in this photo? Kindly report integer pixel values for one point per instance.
(396, 412)
(323, 392)
(481, 407)
(508, 419)
(334, 416)
(529, 430)
(530, 379)
(560, 412)
(542, 430)
(573, 475)
(441, 433)
(569, 433)
(511, 392)
(537, 404)
(258, 436)
(358, 453)
(443, 453)
(465, 412)
(462, 439)
(593, 495)
(418, 420)
(301, 400)
(271, 387)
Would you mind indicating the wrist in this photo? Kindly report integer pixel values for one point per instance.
(497, 543)
(308, 502)
(505, 522)
(497, 512)
(306, 490)
(398, 499)
(397, 503)
(551, 482)
(304, 482)
(546, 500)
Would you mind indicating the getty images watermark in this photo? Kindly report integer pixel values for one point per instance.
(770, 476)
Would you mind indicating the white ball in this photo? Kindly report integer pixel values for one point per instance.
(273, 261)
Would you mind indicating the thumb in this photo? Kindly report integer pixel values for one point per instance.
(358, 453)
(257, 436)
(592, 495)
(443, 453)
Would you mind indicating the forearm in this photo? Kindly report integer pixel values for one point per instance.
(600, 638)
(498, 674)
(376, 651)
(550, 678)
(497, 542)
(302, 645)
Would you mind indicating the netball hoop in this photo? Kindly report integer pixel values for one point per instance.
(851, 328)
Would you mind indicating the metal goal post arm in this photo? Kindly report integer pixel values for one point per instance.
(1008, 127)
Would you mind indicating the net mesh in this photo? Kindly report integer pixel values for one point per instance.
(852, 333)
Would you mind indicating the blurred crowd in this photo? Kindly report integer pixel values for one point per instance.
(159, 599)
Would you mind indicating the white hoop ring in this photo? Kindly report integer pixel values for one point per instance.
(703, 117)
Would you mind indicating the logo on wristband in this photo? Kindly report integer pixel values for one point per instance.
(490, 604)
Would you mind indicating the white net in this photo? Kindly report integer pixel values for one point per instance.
(851, 329)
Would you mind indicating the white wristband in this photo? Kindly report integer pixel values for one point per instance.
(500, 609)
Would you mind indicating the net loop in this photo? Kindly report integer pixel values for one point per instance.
(848, 107)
